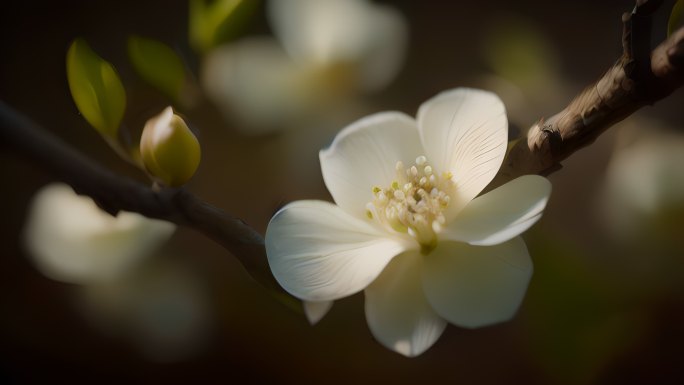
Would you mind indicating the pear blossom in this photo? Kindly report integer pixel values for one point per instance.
(72, 240)
(408, 227)
(325, 50)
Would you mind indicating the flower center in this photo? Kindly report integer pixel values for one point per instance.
(414, 203)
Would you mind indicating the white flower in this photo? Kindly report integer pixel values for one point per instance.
(327, 49)
(71, 240)
(409, 228)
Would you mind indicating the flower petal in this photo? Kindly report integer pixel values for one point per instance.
(473, 286)
(364, 154)
(255, 79)
(464, 132)
(72, 240)
(501, 214)
(398, 314)
(317, 252)
(315, 311)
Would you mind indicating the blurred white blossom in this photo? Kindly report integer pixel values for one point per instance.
(408, 226)
(158, 305)
(326, 50)
(72, 240)
(645, 177)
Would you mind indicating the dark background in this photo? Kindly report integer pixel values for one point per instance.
(591, 314)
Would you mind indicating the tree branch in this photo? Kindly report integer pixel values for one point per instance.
(640, 77)
(114, 193)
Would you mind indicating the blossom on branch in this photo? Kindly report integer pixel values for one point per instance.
(408, 226)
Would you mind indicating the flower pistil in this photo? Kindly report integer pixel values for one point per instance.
(414, 203)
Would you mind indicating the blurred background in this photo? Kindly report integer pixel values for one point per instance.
(606, 302)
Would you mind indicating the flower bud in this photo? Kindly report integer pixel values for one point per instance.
(170, 151)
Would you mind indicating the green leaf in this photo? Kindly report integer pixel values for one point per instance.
(214, 22)
(157, 64)
(96, 88)
(675, 17)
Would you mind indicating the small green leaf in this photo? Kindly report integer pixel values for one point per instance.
(675, 17)
(96, 88)
(214, 22)
(157, 64)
